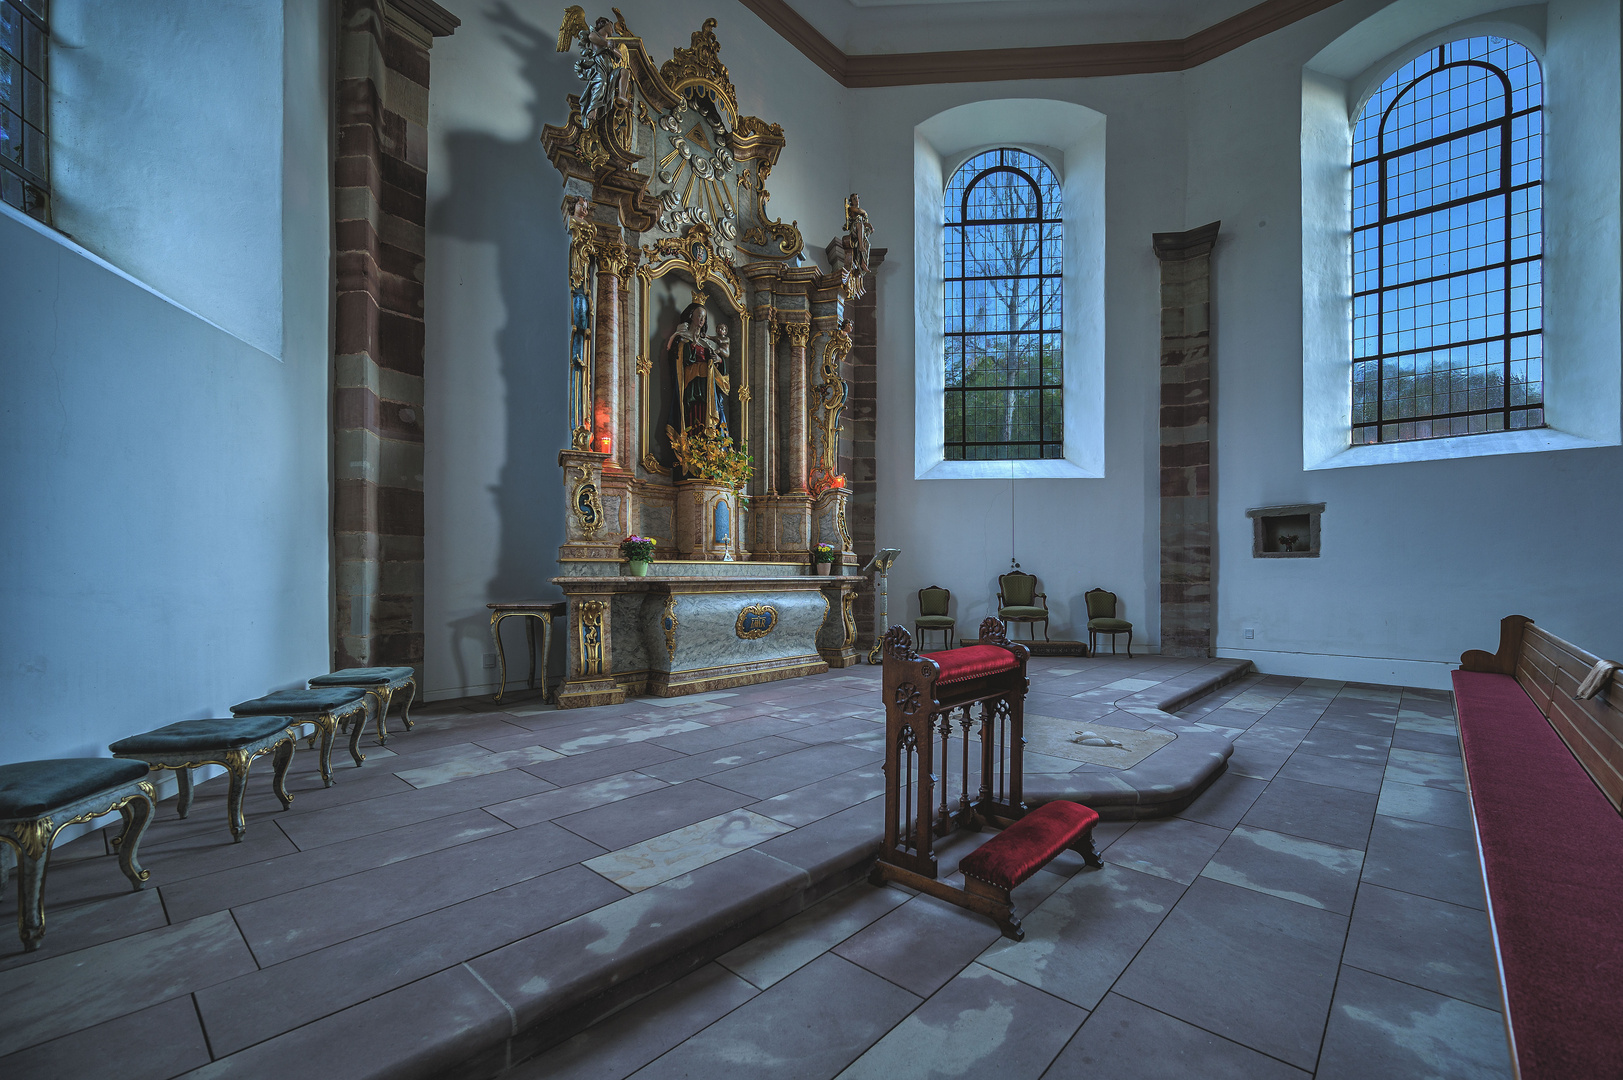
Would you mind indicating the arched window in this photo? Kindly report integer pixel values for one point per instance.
(1447, 247)
(1002, 310)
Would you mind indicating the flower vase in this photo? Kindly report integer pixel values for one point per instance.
(824, 568)
(639, 567)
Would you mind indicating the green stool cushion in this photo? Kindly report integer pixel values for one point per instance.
(1109, 624)
(296, 702)
(226, 734)
(364, 676)
(30, 789)
(933, 622)
(1019, 612)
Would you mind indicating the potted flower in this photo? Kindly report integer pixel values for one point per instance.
(638, 551)
(823, 557)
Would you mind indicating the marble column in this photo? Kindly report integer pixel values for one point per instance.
(606, 345)
(1186, 440)
(794, 424)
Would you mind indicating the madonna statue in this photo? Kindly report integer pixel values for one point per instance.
(701, 374)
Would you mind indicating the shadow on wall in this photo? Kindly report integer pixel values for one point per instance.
(505, 194)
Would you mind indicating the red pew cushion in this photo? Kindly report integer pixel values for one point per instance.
(1025, 847)
(961, 665)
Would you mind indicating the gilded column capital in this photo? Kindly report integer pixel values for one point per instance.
(799, 333)
(629, 266)
(774, 329)
(611, 257)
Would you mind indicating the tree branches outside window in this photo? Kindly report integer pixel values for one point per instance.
(1001, 295)
(24, 151)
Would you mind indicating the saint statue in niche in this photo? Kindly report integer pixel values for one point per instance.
(581, 233)
(858, 231)
(700, 363)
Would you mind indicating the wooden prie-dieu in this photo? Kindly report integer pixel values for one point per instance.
(925, 697)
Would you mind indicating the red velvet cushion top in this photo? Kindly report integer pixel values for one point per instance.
(961, 665)
(1552, 846)
(1026, 846)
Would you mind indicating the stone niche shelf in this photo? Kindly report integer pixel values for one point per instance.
(1270, 523)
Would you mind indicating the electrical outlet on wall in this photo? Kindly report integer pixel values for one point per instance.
(1248, 632)
(490, 659)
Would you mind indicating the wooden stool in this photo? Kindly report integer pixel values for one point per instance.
(381, 683)
(38, 799)
(323, 708)
(543, 611)
(233, 743)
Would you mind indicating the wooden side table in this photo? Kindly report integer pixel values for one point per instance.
(543, 611)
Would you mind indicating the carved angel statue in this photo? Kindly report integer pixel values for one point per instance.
(605, 61)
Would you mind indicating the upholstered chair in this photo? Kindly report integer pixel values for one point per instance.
(1102, 620)
(1019, 601)
(933, 604)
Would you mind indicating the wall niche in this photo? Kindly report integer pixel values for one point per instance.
(1285, 532)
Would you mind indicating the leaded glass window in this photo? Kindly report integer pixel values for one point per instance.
(24, 151)
(1001, 295)
(1447, 247)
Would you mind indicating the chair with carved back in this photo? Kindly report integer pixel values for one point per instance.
(925, 697)
(934, 602)
(1102, 620)
(1018, 601)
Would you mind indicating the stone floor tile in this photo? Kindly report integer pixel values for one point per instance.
(1169, 848)
(580, 768)
(1333, 742)
(893, 947)
(476, 764)
(262, 1004)
(346, 822)
(547, 805)
(294, 923)
(1080, 939)
(1289, 867)
(74, 926)
(1439, 806)
(982, 1023)
(832, 842)
(642, 732)
(844, 729)
(1428, 943)
(1380, 1027)
(153, 1044)
(1123, 1040)
(789, 771)
(1380, 727)
(627, 821)
(52, 998)
(803, 805)
(1436, 725)
(790, 946)
(1252, 968)
(721, 759)
(1256, 759)
(1425, 859)
(630, 1039)
(1333, 772)
(207, 848)
(1224, 803)
(1431, 742)
(1427, 770)
(659, 858)
(811, 1024)
(1331, 815)
(245, 884)
(704, 740)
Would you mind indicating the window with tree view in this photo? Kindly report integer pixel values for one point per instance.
(24, 171)
(1447, 247)
(1002, 317)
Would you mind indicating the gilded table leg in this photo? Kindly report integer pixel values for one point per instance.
(357, 725)
(137, 813)
(501, 654)
(405, 713)
(31, 896)
(238, 771)
(324, 727)
(529, 640)
(282, 760)
(183, 798)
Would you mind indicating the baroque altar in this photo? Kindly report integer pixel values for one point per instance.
(707, 378)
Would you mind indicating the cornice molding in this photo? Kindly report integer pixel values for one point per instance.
(1177, 246)
(1041, 62)
(427, 14)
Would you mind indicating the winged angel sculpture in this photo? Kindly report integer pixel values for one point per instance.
(605, 61)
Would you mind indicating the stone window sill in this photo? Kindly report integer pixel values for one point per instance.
(1457, 446)
(1048, 469)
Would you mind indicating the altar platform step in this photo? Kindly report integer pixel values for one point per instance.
(491, 883)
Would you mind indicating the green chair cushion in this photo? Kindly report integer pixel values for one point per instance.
(364, 676)
(31, 789)
(1018, 589)
(1109, 624)
(223, 734)
(296, 702)
(933, 622)
(934, 601)
(1018, 612)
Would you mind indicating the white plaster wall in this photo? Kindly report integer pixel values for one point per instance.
(164, 538)
(167, 149)
(497, 302)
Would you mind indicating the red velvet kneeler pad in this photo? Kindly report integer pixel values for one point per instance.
(1552, 847)
(1026, 846)
(961, 665)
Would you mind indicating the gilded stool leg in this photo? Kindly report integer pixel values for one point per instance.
(183, 798)
(31, 894)
(283, 759)
(384, 697)
(405, 713)
(324, 727)
(501, 654)
(529, 640)
(137, 813)
(238, 771)
(358, 725)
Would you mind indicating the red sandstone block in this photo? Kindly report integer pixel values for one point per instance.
(1178, 455)
(405, 57)
(357, 329)
(400, 343)
(355, 408)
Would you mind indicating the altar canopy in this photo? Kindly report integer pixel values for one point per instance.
(707, 378)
